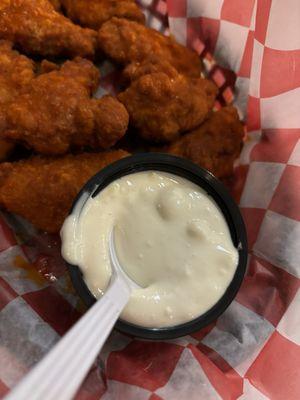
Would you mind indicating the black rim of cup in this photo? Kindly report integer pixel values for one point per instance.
(204, 179)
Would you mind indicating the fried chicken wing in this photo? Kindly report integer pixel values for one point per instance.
(127, 41)
(42, 189)
(215, 145)
(162, 105)
(16, 71)
(93, 13)
(35, 27)
(55, 112)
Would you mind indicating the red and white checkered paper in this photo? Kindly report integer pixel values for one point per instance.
(252, 351)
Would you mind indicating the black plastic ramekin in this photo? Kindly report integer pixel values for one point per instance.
(205, 180)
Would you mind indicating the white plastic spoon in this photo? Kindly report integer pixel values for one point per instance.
(62, 370)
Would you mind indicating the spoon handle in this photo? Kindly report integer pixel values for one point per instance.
(60, 373)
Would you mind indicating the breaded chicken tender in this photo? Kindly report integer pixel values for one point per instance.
(162, 105)
(135, 70)
(42, 190)
(93, 13)
(127, 41)
(6, 148)
(215, 145)
(16, 71)
(56, 112)
(36, 28)
(56, 4)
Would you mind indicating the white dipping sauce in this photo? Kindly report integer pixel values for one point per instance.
(171, 238)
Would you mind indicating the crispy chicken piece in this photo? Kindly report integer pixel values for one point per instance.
(47, 66)
(35, 27)
(16, 71)
(6, 148)
(94, 13)
(56, 4)
(135, 70)
(56, 112)
(42, 189)
(127, 41)
(161, 105)
(215, 145)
